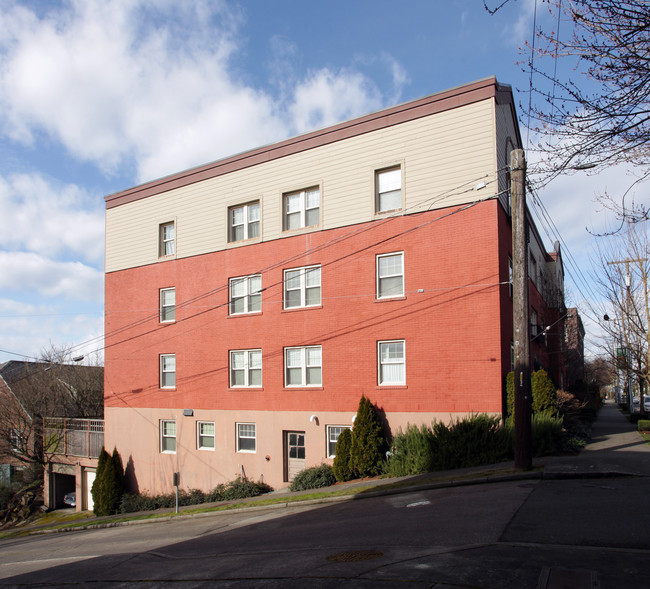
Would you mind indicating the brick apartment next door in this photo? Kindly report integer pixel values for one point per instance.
(294, 454)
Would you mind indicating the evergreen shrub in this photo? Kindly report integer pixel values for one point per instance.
(314, 477)
(411, 452)
(544, 393)
(341, 467)
(471, 441)
(368, 442)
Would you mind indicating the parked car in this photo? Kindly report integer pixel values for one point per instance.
(646, 403)
(70, 499)
(636, 405)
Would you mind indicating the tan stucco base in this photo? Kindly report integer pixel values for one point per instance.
(136, 435)
(69, 465)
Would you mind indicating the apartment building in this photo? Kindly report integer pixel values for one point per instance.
(252, 301)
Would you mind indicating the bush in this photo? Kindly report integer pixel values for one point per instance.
(108, 487)
(643, 425)
(411, 452)
(240, 488)
(368, 443)
(341, 467)
(313, 478)
(544, 393)
(547, 434)
(473, 441)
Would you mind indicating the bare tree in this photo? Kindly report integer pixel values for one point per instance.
(624, 283)
(33, 391)
(599, 114)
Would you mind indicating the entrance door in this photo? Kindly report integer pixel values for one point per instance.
(294, 443)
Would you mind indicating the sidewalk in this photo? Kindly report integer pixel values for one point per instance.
(616, 448)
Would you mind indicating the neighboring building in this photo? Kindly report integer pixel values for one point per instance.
(44, 409)
(251, 302)
(575, 348)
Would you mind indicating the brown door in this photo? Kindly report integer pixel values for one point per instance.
(294, 455)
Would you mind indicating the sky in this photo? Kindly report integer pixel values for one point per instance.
(97, 96)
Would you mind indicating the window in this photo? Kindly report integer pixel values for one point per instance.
(167, 371)
(17, 440)
(168, 436)
(167, 304)
(392, 363)
(246, 368)
(333, 433)
(205, 435)
(244, 221)
(246, 437)
(166, 239)
(246, 294)
(302, 287)
(301, 209)
(534, 327)
(303, 366)
(390, 276)
(389, 189)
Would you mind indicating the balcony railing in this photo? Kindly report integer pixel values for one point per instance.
(74, 437)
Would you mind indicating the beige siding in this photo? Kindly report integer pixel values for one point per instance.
(443, 156)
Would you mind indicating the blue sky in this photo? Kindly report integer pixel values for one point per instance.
(99, 96)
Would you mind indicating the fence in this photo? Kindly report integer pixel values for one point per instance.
(74, 437)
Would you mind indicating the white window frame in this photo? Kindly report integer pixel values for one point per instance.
(304, 276)
(167, 308)
(248, 298)
(331, 450)
(247, 368)
(251, 223)
(303, 366)
(166, 243)
(303, 209)
(381, 277)
(385, 363)
(239, 428)
(165, 369)
(165, 437)
(200, 435)
(388, 176)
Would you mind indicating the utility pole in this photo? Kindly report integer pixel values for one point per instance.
(521, 326)
(627, 314)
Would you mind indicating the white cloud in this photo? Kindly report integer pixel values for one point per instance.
(50, 219)
(30, 272)
(119, 80)
(326, 97)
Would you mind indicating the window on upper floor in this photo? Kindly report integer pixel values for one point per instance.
(534, 327)
(246, 368)
(167, 371)
(301, 208)
(303, 366)
(205, 435)
(392, 362)
(333, 433)
(390, 275)
(244, 221)
(302, 287)
(246, 437)
(166, 239)
(168, 436)
(167, 304)
(388, 189)
(246, 294)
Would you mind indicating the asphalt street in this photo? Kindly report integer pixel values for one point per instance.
(583, 524)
